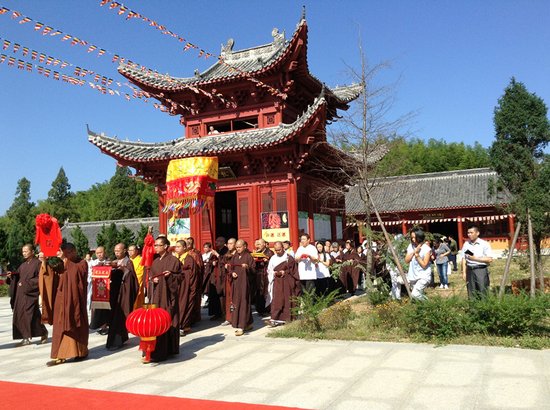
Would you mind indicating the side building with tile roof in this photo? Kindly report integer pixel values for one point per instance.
(440, 202)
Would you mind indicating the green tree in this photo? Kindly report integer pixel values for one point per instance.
(522, 131)
(108, 238)
(140, 237)
(59, 202)
(19, 223)
(122, 198)
(126, 236)
(80, 241)
(88, 204)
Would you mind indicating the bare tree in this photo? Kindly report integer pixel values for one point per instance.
(361, 139)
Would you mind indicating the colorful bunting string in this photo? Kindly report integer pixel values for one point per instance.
(115, 57)
(122, 9)
(136, 94)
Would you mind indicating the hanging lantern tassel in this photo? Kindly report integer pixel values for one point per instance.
(148, 322)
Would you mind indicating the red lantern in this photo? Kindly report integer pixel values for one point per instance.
(148, 322)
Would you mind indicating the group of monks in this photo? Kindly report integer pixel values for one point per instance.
(229, 274)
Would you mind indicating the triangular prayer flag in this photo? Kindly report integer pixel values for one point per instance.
(38, 26)
(25, 20)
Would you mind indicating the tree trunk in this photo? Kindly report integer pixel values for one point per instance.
(538, 261)
(508, 262)
(531, 253)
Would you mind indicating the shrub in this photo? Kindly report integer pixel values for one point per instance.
(309, 306)
(511, 316)
(336, 317)
(388, 315)
(439, 318)
(4, 290)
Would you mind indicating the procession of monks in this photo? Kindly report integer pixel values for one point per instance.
(229, 276)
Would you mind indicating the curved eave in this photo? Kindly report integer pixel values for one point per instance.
(142, 78)
(219, 144)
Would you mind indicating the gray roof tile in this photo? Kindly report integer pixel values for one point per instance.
(209, 145)
(439, 190)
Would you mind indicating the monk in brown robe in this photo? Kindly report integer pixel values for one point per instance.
(225, 277)
(186, 301)
(349, 273)
(26, 315)
(258, 286)
(166, 276)
(241, 268)
(215, 286)
(284, 285)
(70, 316)
(124, 275)
(196, 288)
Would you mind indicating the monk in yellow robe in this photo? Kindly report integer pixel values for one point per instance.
(135, 257)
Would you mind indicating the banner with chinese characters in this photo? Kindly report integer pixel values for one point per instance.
(275, 226)
(101, 287)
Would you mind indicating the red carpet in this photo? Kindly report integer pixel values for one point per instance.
(37, 396)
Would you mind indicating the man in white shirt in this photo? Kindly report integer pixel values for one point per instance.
(306, 256)
(476, 258)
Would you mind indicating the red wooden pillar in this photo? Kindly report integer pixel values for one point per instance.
(333, 226)
(460, 232)
(163, 217)
(310, 221)
(360, 229)
(255, 213)
(293, 212)
(404, 227)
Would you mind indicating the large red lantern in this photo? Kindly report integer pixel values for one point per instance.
(148, 322)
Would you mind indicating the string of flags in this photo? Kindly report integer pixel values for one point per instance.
(51, 31)
(123, 10)
(104, 89)
(101, 51)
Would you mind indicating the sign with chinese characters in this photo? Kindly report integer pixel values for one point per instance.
(275, 226)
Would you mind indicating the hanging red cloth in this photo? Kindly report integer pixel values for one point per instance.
(148, 251)
(48, 235)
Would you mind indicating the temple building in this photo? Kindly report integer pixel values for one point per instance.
(263, 115)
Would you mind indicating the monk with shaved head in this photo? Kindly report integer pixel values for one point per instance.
(241, 269)
(123, 276)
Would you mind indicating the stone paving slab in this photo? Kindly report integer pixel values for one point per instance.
(214, 364)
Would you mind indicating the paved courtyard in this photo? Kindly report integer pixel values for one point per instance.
(214, 364)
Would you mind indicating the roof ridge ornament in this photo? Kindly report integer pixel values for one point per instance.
(278, 38)
(303, 13)
(228, 48)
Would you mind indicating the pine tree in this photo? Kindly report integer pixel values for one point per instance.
(108, 238)
(140, 237)
(59, 202)
(522, 132)
(123, 197)
(126, 236)
(80, 241)
(19, 225)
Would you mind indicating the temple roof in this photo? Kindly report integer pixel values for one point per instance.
(250, 62)
(439, 190)
(217, 144)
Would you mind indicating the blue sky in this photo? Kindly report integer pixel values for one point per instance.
(452, 59)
